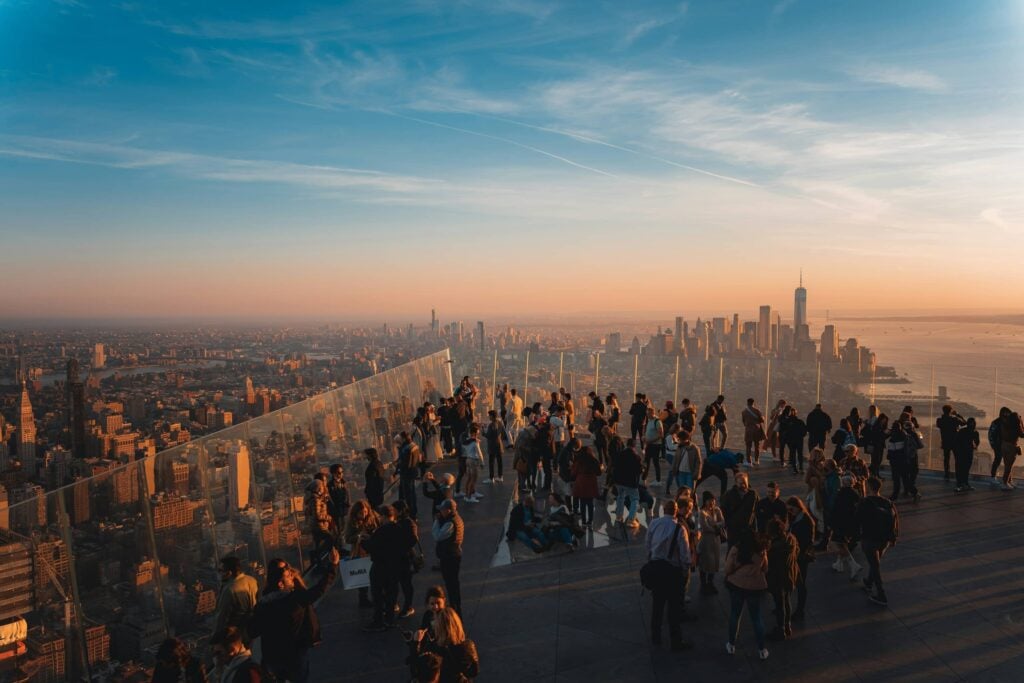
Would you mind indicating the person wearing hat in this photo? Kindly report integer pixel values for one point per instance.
(770, 507)
(438, 491)
(448, 531)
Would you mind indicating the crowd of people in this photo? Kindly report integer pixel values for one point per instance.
(566, 460)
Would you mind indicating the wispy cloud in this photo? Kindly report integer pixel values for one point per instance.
(206, 167)
(899, 77)
(100, 76)
(781, 7)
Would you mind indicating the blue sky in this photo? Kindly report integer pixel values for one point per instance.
(173, 158)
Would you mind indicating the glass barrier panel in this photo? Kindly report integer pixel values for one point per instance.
(279, 446)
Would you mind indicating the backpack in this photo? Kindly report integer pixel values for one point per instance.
(995, 434)
(886, 521)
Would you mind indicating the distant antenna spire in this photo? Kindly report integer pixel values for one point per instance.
(801, 277)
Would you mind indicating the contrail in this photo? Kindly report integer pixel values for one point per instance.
(498, 138)
(595, 141)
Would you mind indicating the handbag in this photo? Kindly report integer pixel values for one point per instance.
(656, 573)
(416, 560)
(355, 573)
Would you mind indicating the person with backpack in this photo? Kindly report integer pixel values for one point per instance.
(688, 416)
(654, 438)
(879, 435)
(783, 573)
(285, 620)
(495, 435)
(965, 443)
(1011, 429)
(563, 469)
(841, 437)
(668, 559)
(948, 424)
(995, 431)
(878, 524)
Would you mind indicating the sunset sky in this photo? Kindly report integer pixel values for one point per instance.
(508, 157)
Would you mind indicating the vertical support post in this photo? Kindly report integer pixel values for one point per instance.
(767, 383)
(494, 382)
(721, 374)
(526, 380)
(995, 393)
(675, 392)
(817, 392)
(597, 370)
(872, 385)
(561, 365)
(931, 417)
(636, 367)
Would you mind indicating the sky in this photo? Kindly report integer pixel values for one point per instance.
(508, 157)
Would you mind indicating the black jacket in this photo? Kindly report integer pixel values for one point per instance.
(389, 546)
(286, 622)
(626, 468)
(767, 509)
(818, 422)
(374, 488)
(459, 663)
(738, 510)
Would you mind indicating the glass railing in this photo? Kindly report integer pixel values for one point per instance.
(976, 392)
(103, 570)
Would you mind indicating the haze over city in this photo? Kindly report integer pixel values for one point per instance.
(515, 158)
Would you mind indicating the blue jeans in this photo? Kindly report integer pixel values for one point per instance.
(561, 534)
(752, 599)
(528, 536)
(634, 498)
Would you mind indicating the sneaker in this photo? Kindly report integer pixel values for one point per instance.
(487, 481)
(996, 481)
(837, 566)
(969, 487)
(407, 613)
(879, 599)
(656, 484)
(763, 653)
(854, 570)
(501, 480)
(730, 649)
(460, 494)
(478, 495)
(1006, 487)
(960, 489)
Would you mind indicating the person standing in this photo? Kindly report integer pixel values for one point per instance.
(599, 433)
(438, 491)
(707, 429)
(687, 465)
(317, 510)
(994, 435)
(738, 507)
(448, 532)
(408, 538)
(668, 544)
(899, 453)
(878, 435)
(362, 521)
(720, 419)
(373, 478)
(407, 470)
(753, 432)
(783, 574)
(746, 567)
(948, 424)
(709, 548)
(964, 445)
(337, 491)
(770, 507)
(793, 432)
(471, 460)
(286, 621)
(614, 412)
(495, 435)
(802, 526)
(389, 548)
(626, 469)
(515, 415)
(878, 523)
(819, 424)
(654, 437)
(585, 471)
(637, 417)
(446, 422)
(1011, 429)
(237, 598)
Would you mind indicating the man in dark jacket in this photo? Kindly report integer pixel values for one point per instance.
(407, 469)
(738, 507)
(337, 490)
(819, 424)
(770, 507)
(389, 547)
(878, 526)
(286, 622)
(625, 475)
(374, 478)
(448, 532)
(637, 417)
(949, 423)
(720, 419)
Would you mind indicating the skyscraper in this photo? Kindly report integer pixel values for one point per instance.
(829, 344)
(99, 356)
(764, 329)
(480, 334)
(679, 335)
(800, 309)
(238, 466)
(75, 410)
(26, 431)
(435, 327)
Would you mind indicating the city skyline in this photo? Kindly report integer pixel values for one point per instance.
(308, 161)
